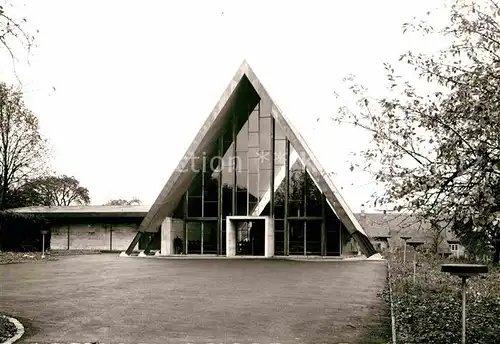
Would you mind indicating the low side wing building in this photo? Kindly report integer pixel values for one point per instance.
(90, 227)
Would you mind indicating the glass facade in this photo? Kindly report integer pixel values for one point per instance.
(254, 170)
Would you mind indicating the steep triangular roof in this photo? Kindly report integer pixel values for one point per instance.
(181, 178)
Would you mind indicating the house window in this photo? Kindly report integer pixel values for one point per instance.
(454, 247)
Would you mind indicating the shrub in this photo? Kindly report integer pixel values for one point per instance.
(21, 233)
(430, 310)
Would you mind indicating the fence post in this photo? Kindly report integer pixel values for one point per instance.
(393, 318)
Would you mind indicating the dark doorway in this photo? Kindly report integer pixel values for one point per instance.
(250, 237)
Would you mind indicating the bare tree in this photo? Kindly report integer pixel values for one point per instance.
(14, 35)
(23, 151)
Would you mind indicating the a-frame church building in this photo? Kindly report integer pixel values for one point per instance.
(249, 185)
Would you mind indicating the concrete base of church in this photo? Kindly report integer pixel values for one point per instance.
(231, 226)
(170, 229)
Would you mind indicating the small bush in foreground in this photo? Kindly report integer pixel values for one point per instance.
(7, 329)
(430, 310)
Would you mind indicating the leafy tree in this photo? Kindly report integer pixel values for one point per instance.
(437, 235)
(122, 202)
(436, 148)
(55, 191)
(23, 151)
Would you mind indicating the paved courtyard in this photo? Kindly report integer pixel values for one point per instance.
(106, 299)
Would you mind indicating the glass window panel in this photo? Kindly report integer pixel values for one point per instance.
(264, 110)
(214, 164)
(279, 225)
(242, 138)
(264, 181)
(265, 126)
(313, 237)
(295, 208)
(194, 206)
(241, 202)
(279, 134)
(279, 200)
(296, 237)
(253, 139)
(265, 161)
(241, 179)
(333, 234)
(228, 160)
(279, 152)
(253, 165)
(179, 210)
(227, 177)
(279, 194)
(265, 134)
(265, 142)
(210, 209)
(253, 122)
(296, 165)
(210, 237)
(228, 151)
(242, 163)
(252, 207)
(195, 187)
(313, 198)
(279, 211)
(227, 199)
(279, 243)
(194, 237)
(264, 211)
(223, 238)
(313, 206)
(253, 185)
(210, 188)
(253, 152)
(297, 179)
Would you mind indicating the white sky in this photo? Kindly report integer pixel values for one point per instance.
(135, 80)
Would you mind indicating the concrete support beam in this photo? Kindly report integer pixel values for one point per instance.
(133, 244)
(269, 237)
(167, 242)
(170, 228)
(230, 237)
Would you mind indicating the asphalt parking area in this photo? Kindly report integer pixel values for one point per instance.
(107, 299)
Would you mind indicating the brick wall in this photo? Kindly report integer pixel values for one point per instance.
(59, 238)
(122, 236)
(94, 237)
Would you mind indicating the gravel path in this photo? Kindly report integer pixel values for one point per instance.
(106, 299)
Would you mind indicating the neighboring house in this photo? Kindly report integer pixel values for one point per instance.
(105, 228)
(385, 231)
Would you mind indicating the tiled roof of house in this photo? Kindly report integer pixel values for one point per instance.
(393, 226)
(380, 225)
